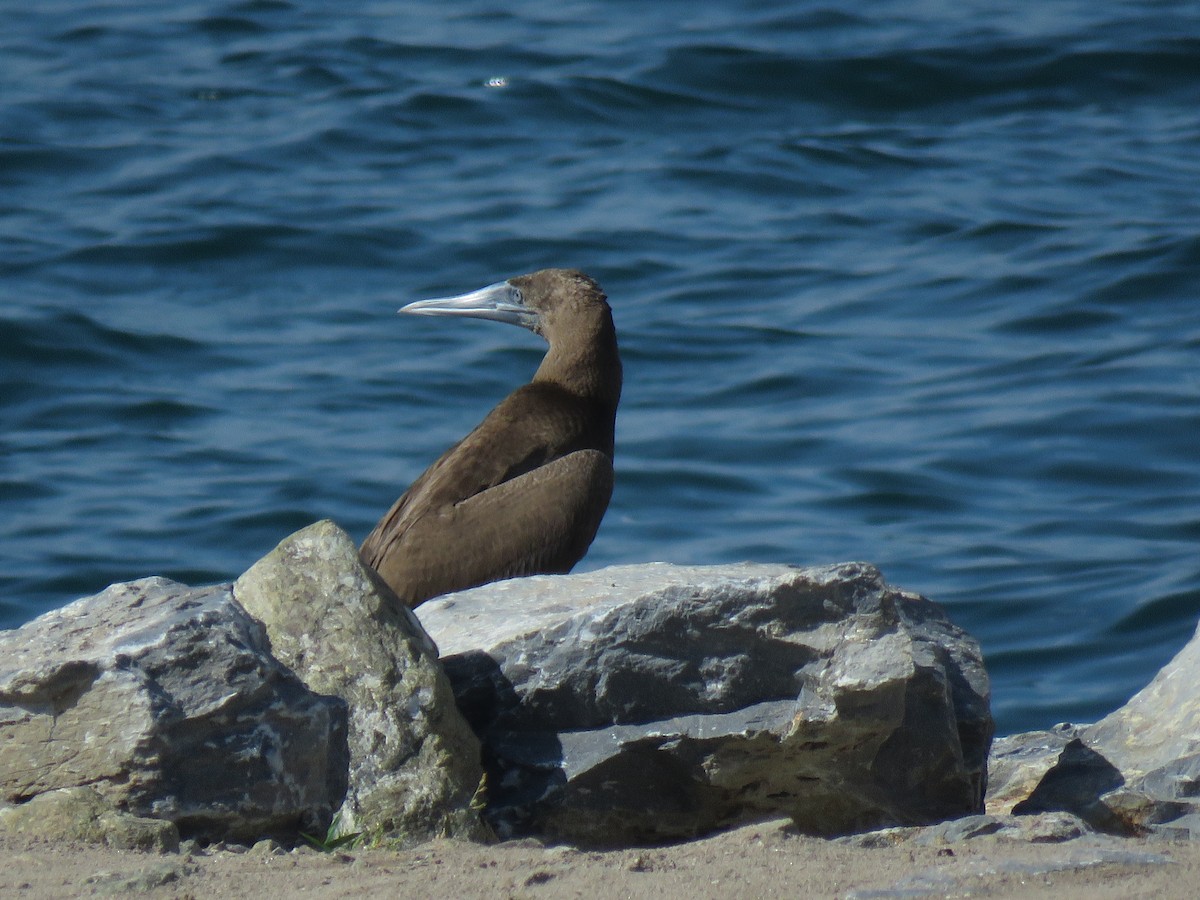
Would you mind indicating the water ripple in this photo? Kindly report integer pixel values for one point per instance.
(906, 284)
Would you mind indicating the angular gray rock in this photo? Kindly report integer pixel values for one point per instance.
(1135, 772)
(166, 701)
(414, 761)
(658, 702)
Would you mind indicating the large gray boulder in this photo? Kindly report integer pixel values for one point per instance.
(167, 702)
(658, 702)
(414, 761)
(1135, 772)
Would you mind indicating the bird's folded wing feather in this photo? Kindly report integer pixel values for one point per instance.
(540, 521)
(507, 444)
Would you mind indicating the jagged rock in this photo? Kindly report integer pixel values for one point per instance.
(414, 761)
(165, 699)
(1018, 762)
(81, 814)
(1136, 771)
(657, 702)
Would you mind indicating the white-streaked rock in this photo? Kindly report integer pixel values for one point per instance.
(655, 702)
(166, 700)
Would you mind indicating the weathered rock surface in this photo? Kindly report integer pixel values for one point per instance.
(166, 701)
(414, 761)
(967, 876)
(1042, 828)
(81, 814)
(1136, 771)
(656, 702)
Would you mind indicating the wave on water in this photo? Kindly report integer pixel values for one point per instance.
(906, 284)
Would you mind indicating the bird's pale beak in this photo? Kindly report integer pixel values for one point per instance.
(501, 302)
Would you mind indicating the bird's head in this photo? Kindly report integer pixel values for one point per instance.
(543, 301)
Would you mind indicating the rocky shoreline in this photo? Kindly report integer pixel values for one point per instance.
(624, 708)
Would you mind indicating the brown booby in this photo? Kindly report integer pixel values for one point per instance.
(525, 491)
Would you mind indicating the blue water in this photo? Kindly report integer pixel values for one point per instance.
(914, 283)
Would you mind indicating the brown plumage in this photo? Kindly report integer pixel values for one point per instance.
(525, 491)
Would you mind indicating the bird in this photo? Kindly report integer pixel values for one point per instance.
(525, 491)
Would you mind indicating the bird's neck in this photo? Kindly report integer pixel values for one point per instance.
(587, 365)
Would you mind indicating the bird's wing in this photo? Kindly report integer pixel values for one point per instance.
(530, 428)
(501, 448)
(540, 521)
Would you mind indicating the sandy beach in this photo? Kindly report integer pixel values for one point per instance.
(763, 860)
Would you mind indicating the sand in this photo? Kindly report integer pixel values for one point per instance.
(764, 860)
